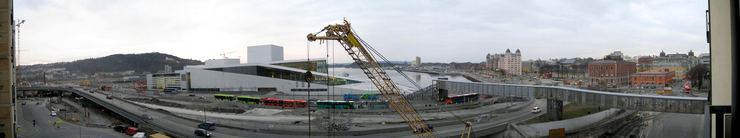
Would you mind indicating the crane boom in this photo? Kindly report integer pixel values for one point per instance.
(377, 75)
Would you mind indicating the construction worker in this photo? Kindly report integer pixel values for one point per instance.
(34, 123)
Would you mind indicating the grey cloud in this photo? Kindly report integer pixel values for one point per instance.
(438, 31)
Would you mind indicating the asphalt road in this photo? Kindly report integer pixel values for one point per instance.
(45, 128)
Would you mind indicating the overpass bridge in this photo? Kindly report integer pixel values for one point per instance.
(673, 104)
(693, 105)
(139, 120)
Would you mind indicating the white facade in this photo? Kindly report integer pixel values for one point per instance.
(264, 53)
(225, 61)
(510, 62)
(224, 81)
(271, 76)
(167, 69)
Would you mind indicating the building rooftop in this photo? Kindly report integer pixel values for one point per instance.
(609, 62)
(651, 73)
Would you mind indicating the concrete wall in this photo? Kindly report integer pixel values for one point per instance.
(721, 57)
(264, 53)
(7, 77)
(233, 81)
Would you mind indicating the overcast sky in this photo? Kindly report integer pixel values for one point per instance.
(437, 31)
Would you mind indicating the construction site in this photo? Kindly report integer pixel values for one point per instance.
(387, 111)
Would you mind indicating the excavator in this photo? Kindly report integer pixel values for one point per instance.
(359, 51)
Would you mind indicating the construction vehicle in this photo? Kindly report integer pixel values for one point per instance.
(358, 51)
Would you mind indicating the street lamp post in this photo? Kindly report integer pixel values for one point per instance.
(79, 100)
(204, 110)
(204, 115)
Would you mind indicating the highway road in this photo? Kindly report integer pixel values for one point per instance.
(178, 125)
(45, 128)
(674, 125)
(185, 127)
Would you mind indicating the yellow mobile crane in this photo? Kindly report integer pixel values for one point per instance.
(359, 53)
(358, 50)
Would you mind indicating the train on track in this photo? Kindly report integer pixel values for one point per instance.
(369, 101)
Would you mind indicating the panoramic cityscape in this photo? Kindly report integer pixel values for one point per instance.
(489, 69)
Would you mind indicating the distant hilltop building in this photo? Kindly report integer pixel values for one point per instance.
(510, 62)
(167, 69)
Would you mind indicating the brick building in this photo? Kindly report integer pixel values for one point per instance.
(652, 79)
(643, 63)
(510, 62)
(610, 72)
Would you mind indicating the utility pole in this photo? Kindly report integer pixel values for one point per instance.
(308, 77)
(204, 112)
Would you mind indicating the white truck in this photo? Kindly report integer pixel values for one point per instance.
(139, 135)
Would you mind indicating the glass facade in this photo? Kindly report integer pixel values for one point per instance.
(284, 74)
(314, 65)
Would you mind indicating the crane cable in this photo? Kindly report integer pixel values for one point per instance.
(467, 124)
(308, 77)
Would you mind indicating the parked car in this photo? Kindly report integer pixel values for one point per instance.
(120, 128)
(109, 97)
(131, 131)
(207, 126)
(536, 109)
(202, 133)
(53, 113)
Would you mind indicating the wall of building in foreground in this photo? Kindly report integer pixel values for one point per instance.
(720, 45)
(7, 111)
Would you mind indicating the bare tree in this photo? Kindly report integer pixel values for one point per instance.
(697, 75)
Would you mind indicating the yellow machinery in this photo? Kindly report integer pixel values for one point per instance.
(358, 50)
(665, 91)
